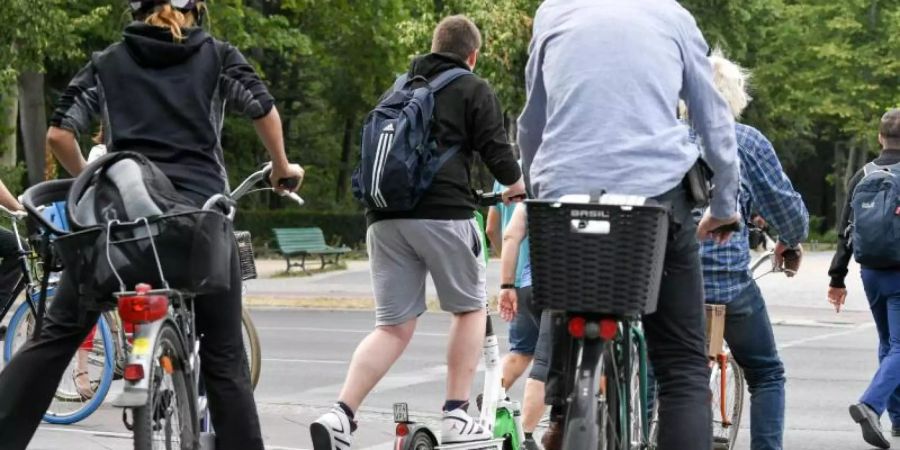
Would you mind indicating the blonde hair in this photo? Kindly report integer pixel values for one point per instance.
(731, 81)
(165, 16)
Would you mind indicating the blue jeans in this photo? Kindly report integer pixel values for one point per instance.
(883, 290)
(748, 332)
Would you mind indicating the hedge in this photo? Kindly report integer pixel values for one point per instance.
(344, 228)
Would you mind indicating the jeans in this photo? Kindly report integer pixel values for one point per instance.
(883, 291)
(10, 268)
(29, 381)
(676, 340)
(748, 332)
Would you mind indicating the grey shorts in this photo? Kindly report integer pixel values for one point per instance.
(402, 252)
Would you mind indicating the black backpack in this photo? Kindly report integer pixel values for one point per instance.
(130, 225)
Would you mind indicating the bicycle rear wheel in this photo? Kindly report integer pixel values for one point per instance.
(252, 348)
(85, 381)
(169, 420)
(727, 405)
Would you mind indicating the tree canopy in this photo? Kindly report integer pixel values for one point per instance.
(823, 71)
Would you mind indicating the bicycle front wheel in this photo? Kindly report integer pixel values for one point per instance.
(85, 381)
(252, 348)
(727, 385)
(169, 420)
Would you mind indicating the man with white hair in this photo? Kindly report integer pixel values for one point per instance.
(726, 275)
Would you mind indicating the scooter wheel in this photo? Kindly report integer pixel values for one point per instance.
(421, 440)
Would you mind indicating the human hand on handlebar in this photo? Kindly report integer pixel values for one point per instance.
(788, 259)
(718, 229)
(508, 304)
(286, 179)
(515, 192)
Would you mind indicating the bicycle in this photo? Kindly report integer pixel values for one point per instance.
(168, 407)
(71, 402)
(600, 301)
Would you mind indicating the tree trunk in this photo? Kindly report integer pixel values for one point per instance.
(340, 193)
(438, 6)
(33, 123)
(840, 183)
(9, 112)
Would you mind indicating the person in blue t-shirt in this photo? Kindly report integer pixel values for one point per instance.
(529, 330)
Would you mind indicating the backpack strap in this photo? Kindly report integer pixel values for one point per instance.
(401, 81)
(446, 77)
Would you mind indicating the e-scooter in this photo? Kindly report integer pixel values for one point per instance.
(498, 413)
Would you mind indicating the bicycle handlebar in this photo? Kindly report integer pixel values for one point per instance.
(493, 198)
(263, 175)
(14, 215)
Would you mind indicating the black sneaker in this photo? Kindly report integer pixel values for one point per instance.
(871, 426)
(529, 444)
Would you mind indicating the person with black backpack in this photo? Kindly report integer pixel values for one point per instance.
(414, 179)
(870, 225)
(160, 92)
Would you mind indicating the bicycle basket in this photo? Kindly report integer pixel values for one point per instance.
(245, 251)
(599, 258)
(194, 251)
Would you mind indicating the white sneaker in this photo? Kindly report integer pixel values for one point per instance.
(458, 427)
(331, 431)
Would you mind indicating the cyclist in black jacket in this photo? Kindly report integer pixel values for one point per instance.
(161, 91)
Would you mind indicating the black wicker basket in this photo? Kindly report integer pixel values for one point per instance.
(597, 258)
(245, 251)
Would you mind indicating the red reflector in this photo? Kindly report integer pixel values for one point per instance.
(143, 308)
(576, 327)
(402, 429)
(133, 372)
(608, 329)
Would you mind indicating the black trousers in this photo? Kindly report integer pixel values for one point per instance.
(675, 337)
(10, 267)
(28, 383)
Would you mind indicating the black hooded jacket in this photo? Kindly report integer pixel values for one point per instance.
(468, 112)
(166, 99)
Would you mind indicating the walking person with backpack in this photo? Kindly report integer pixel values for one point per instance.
(868, 228)
(414, 179)
(160, 92)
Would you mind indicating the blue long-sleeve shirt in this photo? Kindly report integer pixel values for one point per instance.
(764, 189)
(603, 82)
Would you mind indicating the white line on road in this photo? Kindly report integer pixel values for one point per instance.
(129, 436)
(338, 330)
(822, 337)
(306, 361)
(89, 432)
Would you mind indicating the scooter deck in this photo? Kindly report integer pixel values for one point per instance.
(496, 444)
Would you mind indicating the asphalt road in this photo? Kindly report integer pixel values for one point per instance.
(829, 359)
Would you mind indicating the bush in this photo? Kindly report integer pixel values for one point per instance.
(339, 228)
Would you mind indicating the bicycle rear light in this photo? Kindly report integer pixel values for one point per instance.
(402, 429)
(608, 329)
(143, 307)
(576, 327)
(133, 372)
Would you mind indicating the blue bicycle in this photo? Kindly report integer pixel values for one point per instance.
(89, 375)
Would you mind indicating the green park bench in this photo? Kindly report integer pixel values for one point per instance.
(306, 242)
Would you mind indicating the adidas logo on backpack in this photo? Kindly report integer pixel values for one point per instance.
(399, 155)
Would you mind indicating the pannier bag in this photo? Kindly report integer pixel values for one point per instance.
(130, 225)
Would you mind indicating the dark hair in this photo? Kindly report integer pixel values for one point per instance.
(890, 128)
(457, 35)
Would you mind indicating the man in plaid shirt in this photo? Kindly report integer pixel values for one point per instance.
(726, 275)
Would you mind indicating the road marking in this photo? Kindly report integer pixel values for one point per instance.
(89, 432)
(129, 436)
(306, 361)
(333, 330)
(390, 382)
(823, 337)
(386, 446)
